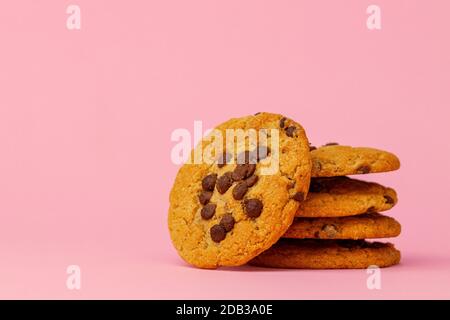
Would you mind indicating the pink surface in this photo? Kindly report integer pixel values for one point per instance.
(86, 118)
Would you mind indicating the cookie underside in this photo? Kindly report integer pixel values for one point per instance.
(338, 160)
(365, 226)
(344, 196)
(328, 254)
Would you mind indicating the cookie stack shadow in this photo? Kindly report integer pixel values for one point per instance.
(339, 214)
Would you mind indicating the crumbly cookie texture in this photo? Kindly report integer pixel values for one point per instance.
(335, 160)
(224, 214)
(328, 254)
(343, 196)
(364, 226)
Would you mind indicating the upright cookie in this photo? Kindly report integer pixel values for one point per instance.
(238, 202)
(342, 196)
(364, 226)
(328, 254)
(334, 160)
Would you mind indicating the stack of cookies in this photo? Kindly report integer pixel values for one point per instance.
(339, 213)
(280, 203)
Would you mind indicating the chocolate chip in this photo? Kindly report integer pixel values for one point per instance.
(227, 222)
(330, 230)
(299, 196)
(389, 199)
(253, 207)
(282, 122)
(251, 181)
(331, 144)
(209, 182)
(239, 172)
(223, 159)
(250, 170)
(262, 152)
(243, 171)
(218, 233)
(224, 182)
(204, 197)
(240, 190)
(257, 113)
(290, 131)
(208, 211)
(363, 169)
(311, 148)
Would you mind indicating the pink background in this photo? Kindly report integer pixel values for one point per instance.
(86, 118)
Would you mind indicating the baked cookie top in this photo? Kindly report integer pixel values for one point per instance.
(328, 254)
(238, 201)
(334, 160)
(364, 226)
(343, 196)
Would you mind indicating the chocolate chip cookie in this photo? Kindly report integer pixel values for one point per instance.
(343, 196)
(238, 201)
(327, 254)
(334, 160)
(364, 226)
